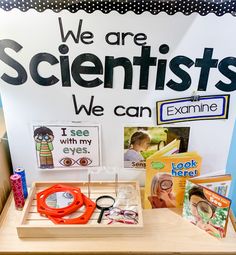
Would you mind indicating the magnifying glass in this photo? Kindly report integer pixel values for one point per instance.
(166, 184)
(104, 203)
(205, 211)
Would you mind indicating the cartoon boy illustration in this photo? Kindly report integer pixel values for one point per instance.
(43, 137)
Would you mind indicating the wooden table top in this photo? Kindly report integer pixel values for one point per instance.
(164, 232)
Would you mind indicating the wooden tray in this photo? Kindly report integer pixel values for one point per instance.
(34, 225)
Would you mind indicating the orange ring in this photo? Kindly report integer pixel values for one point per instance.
(83, 219)
(44, 209)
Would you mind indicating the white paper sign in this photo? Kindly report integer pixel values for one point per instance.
(112, 71)
(67, 146)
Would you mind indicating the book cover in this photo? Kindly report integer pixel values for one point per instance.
(206, 209)
(166, 175)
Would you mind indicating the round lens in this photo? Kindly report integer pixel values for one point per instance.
(166, 184)
(46, 137)
(59, 199)
(204, 210)
(115, 211)
(130, 214)
(40, 137)
(105, 202)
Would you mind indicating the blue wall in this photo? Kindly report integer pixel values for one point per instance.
(231, 168)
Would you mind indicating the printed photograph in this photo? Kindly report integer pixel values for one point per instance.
(141, 142)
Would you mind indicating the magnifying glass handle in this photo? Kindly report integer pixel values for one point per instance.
(100, 216)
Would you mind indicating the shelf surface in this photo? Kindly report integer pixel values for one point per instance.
(164, 232)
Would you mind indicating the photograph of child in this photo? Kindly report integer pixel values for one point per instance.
(203, 211)
(162, 195)
(139, 142)
(142, 142)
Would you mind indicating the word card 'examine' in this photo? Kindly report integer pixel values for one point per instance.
(189, 109)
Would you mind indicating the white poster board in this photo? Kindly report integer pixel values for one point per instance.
(101, 78)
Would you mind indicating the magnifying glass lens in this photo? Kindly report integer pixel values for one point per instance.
(204, 210)
(167, 184)
(105, 202)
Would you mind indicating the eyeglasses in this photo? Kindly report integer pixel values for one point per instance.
(166, 184)
(124, 216)
(204, 210)
(43, 137)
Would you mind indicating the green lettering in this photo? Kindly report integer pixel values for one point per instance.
(66, 150)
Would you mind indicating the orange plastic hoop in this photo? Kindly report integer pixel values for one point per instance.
(83, 219)
(44, 209)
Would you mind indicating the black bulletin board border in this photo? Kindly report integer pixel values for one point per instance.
(187, 7)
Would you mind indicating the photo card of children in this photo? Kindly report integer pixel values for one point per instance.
(67, 146)
(141, 142)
